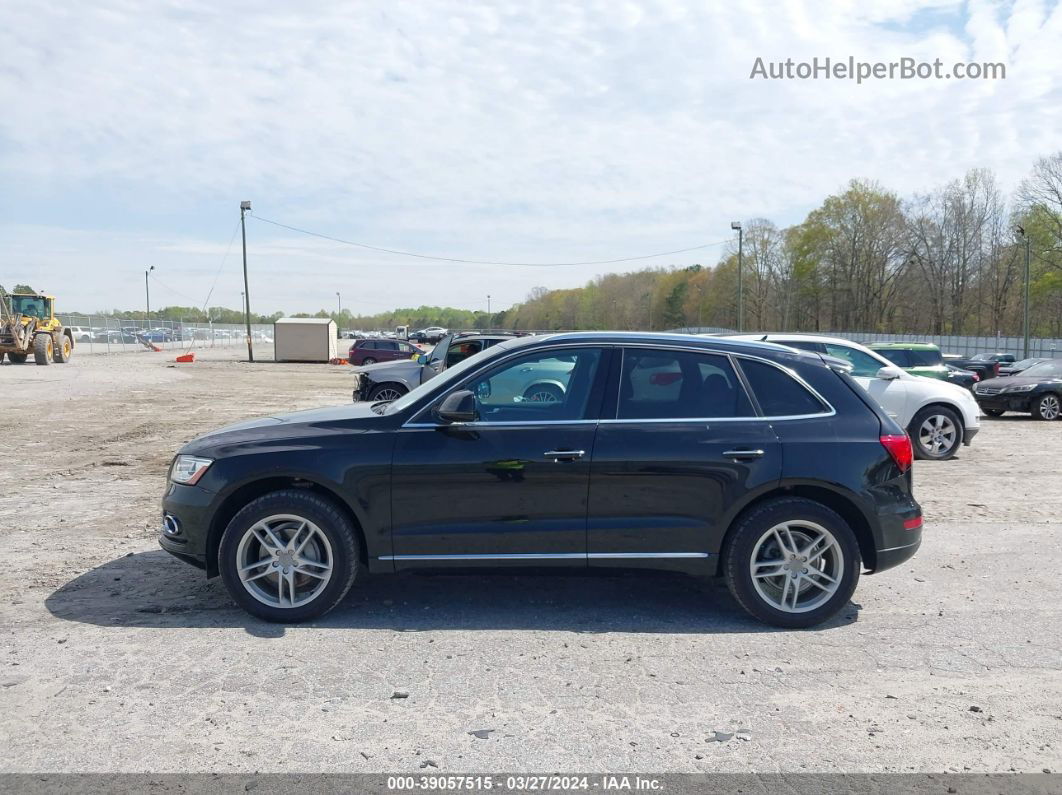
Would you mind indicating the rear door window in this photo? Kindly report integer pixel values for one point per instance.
(779, 393)
(667, 384)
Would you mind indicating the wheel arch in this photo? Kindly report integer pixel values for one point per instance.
(840, 501)
(252, 490)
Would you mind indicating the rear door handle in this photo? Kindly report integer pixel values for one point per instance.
(743, 454)
(564, 455)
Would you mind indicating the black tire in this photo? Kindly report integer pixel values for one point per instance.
(64, 349)
(932, 448)
(18, 358)
(368, 360)
(384, 392)
(1, 357)
(332, 522)
(746, 534)
(994, 412)
(1047, 407)
(43, 349)
(544, 393)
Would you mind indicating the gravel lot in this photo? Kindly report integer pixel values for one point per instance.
(116, 657)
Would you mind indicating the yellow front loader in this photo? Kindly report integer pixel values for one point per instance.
(28, 325)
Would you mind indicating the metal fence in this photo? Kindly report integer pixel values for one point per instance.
(103, 334)
(1047, 347)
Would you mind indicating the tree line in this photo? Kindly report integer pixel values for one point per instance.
(950, 261)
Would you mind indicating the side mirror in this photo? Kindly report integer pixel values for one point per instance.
(889, 373)
(459, 406)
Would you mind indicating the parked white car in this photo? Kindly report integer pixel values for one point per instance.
(938, 416)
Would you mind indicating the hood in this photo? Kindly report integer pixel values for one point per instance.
(279, 426)
(1025, 380)
(401, 365)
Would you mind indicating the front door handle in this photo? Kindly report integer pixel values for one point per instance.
(564, 455)
(743, 454)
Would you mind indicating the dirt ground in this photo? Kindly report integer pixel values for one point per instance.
(116, 657)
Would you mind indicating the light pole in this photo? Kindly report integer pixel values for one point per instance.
(741, 303)
(147, 295)
(489, 323)
(244, 207)
(339, 300)
(1025, 302)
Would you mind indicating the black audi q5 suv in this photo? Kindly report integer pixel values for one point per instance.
(759, 463)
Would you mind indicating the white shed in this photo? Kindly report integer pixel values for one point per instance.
(304, 339)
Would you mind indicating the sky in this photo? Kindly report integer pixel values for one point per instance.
(509, 131)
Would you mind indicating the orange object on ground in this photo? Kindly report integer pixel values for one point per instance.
(338, 361)
(186, 357)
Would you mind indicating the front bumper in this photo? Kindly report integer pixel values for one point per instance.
(968, 435)
(189, 509)
(1004, 402)
(362, 385)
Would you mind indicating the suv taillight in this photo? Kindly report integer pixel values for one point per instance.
(899, 447)
(995, 369)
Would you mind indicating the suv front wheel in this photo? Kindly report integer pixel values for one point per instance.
(792, 562)
(289, 556)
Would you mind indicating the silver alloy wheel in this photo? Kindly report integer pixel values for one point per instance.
(1049, 407)
(938, 433)
(797, 566)
(542, 395)
(388, 394)
(284, 561)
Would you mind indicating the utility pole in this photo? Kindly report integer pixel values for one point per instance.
(741, 302)
(244, 207)
(339, 300)
(1025, 302)
(490, 323)
(147, 296)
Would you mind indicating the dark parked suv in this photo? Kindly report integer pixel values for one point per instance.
(768, 466)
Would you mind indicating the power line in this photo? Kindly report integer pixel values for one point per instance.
(486, 262)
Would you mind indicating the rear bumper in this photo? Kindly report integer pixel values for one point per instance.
(887, 558)
(969, 434)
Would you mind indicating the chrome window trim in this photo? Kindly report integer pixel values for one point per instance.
(613, 421)
(551, 556)
(750, 394)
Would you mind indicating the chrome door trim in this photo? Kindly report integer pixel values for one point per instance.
(637, 555)
(552, 556)
(510, 556)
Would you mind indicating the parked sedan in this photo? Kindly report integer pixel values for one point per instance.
(758, 463)
(1021, 366)
(1037, 391)
(372, 351)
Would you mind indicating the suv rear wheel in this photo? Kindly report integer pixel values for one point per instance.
(289, 556)
(792, 562)
(936, 432)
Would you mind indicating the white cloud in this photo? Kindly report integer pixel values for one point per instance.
(507, 129)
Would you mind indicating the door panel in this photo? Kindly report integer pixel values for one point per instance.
(662, 488)
(662, 478)
(491, 491)
(510, 487)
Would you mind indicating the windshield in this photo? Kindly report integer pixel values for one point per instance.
(442, 381)
(1044, 370)
(28, 305)
(1024, 363)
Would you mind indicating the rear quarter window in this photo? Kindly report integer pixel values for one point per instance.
(778, 393)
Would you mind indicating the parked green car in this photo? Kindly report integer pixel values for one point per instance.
(917, 358)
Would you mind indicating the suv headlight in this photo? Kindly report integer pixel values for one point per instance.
(187, 469)
(1020, 388)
